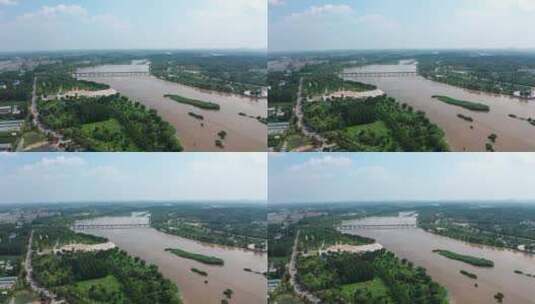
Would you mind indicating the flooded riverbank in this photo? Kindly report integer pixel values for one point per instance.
(237, 116)
(417, 245)
(150, 244)
(513, 134)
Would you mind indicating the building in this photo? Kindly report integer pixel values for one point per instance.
(273, 284)
(5, 147)
(5, 110)
(278, 128)
(7, 282)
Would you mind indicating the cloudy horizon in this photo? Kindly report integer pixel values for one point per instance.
(317, 25)
(132, 177)
(32, 25)
(406, 177)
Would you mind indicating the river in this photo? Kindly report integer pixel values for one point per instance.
(513, 134)
(150, 244)
(417, 245)
(244, 134)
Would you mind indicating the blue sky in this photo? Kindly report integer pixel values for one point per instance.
(124, 24)
(50, 177)
(300, 177)
(386, 24)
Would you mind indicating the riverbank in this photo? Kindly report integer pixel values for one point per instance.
(150, 244)
(244, 134)
(415, 91)
(417, 245)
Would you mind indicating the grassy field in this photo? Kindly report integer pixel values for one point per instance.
(375, 287)
(106, 285)
(378, 128)
(33, 137)
(287, 299)
(475, 261)
(100, 134)
(297, 140)
(193, 102)
(210, 260)
(473, 106)
(24, 297)
(372, 137)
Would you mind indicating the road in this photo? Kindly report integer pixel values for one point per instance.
(49, 132)
(300, 120)
(299, 290)
(29, 275)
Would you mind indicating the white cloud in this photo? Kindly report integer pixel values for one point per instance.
(330, 26)
(56, 163)
(321, 163)
(54, 11)
(327, 9)
(276, 2)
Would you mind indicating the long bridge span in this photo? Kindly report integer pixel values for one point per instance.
(378, 74)
(108, 226)
(109, 74)
(353, 227)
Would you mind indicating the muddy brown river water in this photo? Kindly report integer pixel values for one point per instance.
(513, 134)
(150, 244)
(417, 245)
(244, 134)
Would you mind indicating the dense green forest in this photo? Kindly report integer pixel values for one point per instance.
(494, 72)
(335, 278)
(283, 87)
(103, 277)
(320, 232)
(50, 236)
(109, 123)
(500, 226)
(324, 79)
(57, 78)
(13, 240)
(225, 72)
(237, 226)
(18, 86)
(376, 124)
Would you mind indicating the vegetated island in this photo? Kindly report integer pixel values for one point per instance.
(210, 260)
(464, 117)
(473, 106)
(193, 102)
(525, 273)
(199, 272)
(469, 274)
(475, 261)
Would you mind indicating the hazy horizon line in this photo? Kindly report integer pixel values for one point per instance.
(132, 50)
(207, 201)
(528, 201)
(400, 49)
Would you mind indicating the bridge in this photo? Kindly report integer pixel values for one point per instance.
(108, 226)
(376, 227)
(109, 74)
(378, 74)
